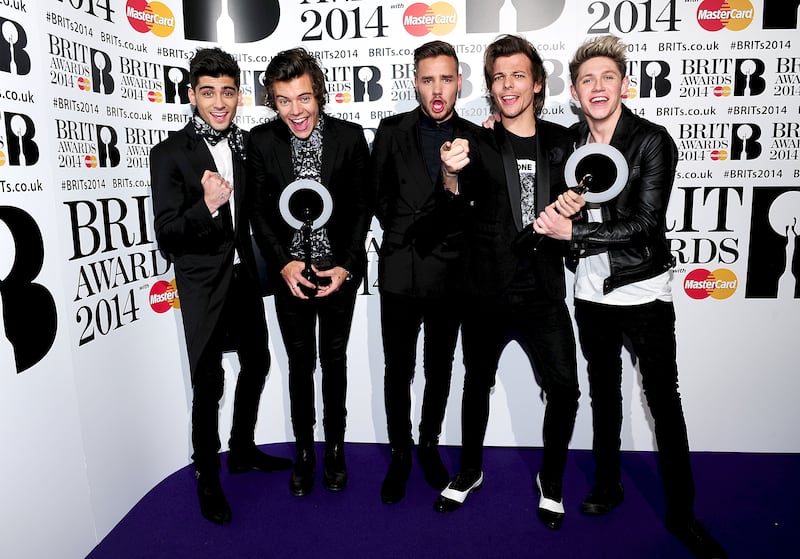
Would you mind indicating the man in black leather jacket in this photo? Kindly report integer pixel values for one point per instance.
(623, 272)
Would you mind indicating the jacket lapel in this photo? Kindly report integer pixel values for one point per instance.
(511, 172)
(542, 169)
(411, 154)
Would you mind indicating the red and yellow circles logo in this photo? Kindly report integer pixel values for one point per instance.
(164, 296)
(719, 284)
(439, 18)
(155, 96)
(2, 158)
(343, 97)
(735, 15)
(153, 17)
(84, 84)
(722, 91)
(90, 161)
(718, 155)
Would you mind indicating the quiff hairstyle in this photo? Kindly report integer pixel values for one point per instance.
(433, 49)
(213, 62)
(609, 46)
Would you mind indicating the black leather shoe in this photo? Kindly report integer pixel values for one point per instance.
(551, 505)
(456, 492)
(393, 488)
(213, 504)
(335, 472)
(694, 535)
(244, 460)
(302, 480)
(432, 466)
(603, 498)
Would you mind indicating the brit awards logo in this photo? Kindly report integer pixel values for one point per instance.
(360, 84)
(781, 14)
(17, 146)
(228, 21)
(14, 59)
(28, 319)
(773, 268)
(648, 79)
(511, 16)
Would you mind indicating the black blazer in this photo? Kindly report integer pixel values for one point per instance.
(407, 207)
(345, 173)
(490, 182)
(200, 247)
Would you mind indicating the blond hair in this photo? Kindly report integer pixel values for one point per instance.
(609, 46)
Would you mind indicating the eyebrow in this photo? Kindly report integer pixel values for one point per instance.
(212, 87)
(432, 76)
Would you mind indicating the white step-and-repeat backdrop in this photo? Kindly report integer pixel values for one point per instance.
(94, 394)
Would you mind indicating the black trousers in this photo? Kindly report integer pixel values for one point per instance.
(242, 322)
(298, 319)
(402, 316)
(651, 331)
(544, 331)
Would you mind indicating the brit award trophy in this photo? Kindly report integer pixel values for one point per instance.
(306, 206)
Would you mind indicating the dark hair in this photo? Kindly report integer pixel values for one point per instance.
(506, 45)
(290, 64)
(213, 62)
(609, 46)
(433, 49)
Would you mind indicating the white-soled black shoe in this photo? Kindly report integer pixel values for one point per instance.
(454, 495)
(551, 504)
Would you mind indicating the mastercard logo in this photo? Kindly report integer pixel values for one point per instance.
(345, 97)
(734, 15)
(164, 296)
(155, 97)
(150, 17)
(2, 158)
(630, 93)
(719, 155)
(719, 284)
(722, 91)
(439, 18)
(84, 84)
(90, 161)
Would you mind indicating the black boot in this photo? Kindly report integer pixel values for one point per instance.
(213, 504)
(432, 466)
(335, 471)
(302, 480)
(393, 488)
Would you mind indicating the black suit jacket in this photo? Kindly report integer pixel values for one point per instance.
(490, 183)
(200, 246)
(345, 173)
(408, 208)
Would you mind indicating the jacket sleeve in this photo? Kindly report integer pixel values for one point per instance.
(358, 171)
(182, 223)
(639, 211)
(381, 172)
(264, 192)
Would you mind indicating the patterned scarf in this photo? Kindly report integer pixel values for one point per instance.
(214, 136)
(307, 164)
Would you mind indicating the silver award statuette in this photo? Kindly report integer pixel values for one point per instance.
(599, 172)
(306, 206)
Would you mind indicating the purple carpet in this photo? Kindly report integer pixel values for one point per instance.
(748, 501)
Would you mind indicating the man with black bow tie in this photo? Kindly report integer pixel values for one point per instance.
(197, 176)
